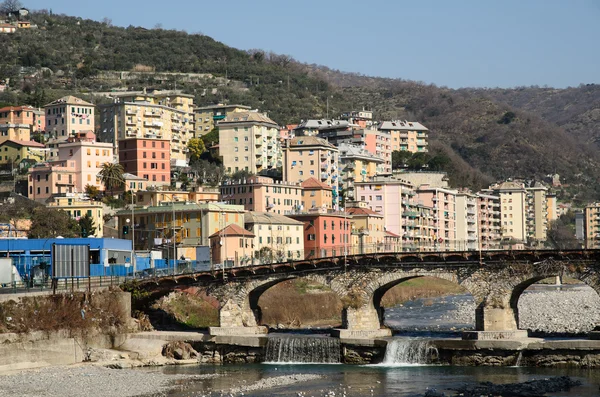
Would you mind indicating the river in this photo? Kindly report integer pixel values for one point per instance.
(376, 380)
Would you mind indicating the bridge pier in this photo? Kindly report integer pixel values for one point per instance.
(495, 321)
(237, 318)
(362, 322)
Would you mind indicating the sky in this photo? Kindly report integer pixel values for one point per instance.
(453, 43)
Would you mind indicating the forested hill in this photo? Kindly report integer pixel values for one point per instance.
(485, 136)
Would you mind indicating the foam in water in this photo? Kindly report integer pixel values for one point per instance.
(303, 350)
(408, 352)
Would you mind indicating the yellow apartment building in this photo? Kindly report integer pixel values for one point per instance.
(77, 207)
(591, 226)
(405, 135)
(150, 116)
(249, 141)
(207, 117)
(16, 151)
(356, 164)
(368, 227)
(307, 157)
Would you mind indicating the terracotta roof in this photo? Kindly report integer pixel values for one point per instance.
(312, 183)
(232, 230)
(26, 143)
(390, 234)
(16, 108)
(362, 211)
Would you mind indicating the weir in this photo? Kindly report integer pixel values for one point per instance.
(406, 351)
(301, 349)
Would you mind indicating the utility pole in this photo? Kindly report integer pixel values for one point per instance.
(132, 235)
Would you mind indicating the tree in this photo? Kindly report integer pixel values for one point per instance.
(111, 176)
(92, 191)
(10, 6)
(48, 222)
(400, 158)
(196, 148)
(86, 226)
(212, 138)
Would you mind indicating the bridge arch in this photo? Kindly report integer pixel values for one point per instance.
(368, 314)
(240, 308)
(581, 274)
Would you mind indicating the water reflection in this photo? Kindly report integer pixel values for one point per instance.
(370, 380)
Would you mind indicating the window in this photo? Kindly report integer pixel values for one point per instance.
(311, 237)
(325, 238)
(235, 138)
(324, 225)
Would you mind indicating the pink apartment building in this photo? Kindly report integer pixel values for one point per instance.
(263, 194)
(443, 202)
(147, 158)
(52, 178)
(69, 115)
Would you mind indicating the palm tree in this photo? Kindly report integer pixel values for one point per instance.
(111, 176)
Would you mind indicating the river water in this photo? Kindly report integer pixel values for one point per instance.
(345, 380)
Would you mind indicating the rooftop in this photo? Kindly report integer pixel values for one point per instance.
(70, 100)
(269, 218)
(362, 211)
(309, 141)
(402, 125)
(24, 143)
(312, 183)
(232, 230)
(247, 117)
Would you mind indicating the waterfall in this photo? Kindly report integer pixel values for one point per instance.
(519, 358)
(408, 351)
(294, 349)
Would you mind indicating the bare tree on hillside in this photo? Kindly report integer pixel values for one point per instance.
(10, 6)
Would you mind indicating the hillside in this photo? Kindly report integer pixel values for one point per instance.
(487, 137)
(575, 109)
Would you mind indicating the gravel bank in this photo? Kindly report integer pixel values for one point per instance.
(545, 310)
(275, 381)
(89, 381)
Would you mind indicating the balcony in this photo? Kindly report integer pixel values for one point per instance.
(324, 176)
(324, 155)
(324, 165)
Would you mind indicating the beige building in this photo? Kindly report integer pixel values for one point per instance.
(76, 207)
(467, 235)
(263, 194)
(407, 135)
(277, 238)
(537, 213)
(551, 203)
(69, 116)
(207, 117)
(357, 164)
(524, 211)
(307, 157)
(249, 141)
(160, 115)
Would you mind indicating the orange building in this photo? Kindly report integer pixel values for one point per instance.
(263, 194)
(325, 234)
(18, 122)
(317, 195)
(147, 158)
(229, 245)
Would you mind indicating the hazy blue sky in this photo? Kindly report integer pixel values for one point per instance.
(453, 43)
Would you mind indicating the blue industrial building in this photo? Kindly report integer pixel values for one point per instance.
(108, 256)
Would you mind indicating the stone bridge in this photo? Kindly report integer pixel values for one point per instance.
(495, 279)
